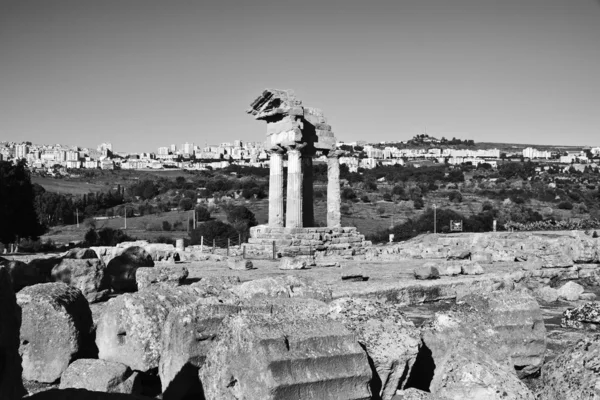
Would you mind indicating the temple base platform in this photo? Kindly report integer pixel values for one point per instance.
(316, 241)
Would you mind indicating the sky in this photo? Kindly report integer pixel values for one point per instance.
(147, 73)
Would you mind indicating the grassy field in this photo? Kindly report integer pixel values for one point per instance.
(65, 186)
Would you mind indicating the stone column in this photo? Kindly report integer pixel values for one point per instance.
(334, 216)
(308, 213)
(276, 189)
(293, 216)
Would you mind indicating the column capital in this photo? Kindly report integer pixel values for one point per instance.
(275, 150)
(335, 153)
(296, 147)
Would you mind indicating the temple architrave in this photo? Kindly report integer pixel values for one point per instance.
(300, 133)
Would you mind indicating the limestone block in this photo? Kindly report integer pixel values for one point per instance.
(56, 329)
(570, 291)
(573, 374)
(426, 272)
(471, 269)
(80, 254)
(260, 357)
(546, 294)
(239, 264)
(121, 269)
(508, 325)
(582, 317)
(283, 286)
(86, 274)
(100, 376)
(130, 327)
(293, 263)
(163, 275)
(11, 385)
(391, 341)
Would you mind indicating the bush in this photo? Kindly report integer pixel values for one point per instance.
(381, 210)
(164, 239)
(166, 226)
(387, 197)
(202, 213)
(186, 204)
(365, 199)
(215, 230)
(178, 226)
(595, 235)
(348, 194)
(455, 197)
(565, 205)
(242, 219)
(418, 203)
(345, 209)
(36, 246)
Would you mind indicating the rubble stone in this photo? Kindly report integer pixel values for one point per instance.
(170, 276)
(121, 269)
(86, 274)
(426, 272)
(100, 376)
(570, 291)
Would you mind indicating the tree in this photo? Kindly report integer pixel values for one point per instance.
(18, 218)
(202, 213)
(186, 204)
(455, 197)
(215, 230)
(242, 220)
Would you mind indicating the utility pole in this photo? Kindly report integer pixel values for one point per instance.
(434, 219)
(77, 213)
(125, 208)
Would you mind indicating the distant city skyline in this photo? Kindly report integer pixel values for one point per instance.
(142, 74)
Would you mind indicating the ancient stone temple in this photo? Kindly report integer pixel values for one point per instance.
(300, 133)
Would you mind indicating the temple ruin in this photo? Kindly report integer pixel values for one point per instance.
(300, 133)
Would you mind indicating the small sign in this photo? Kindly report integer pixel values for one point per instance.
(495, 225)
(456, 226)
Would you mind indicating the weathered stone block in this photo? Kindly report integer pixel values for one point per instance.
(56, 329)
(171, 276)
(266, 358)
(100, 376)
(87, 275)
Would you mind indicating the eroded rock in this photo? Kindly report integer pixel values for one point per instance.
(570, 291)
(86, 274)
(56, 329)
(100, 376)
(121, 269)
(170, 276)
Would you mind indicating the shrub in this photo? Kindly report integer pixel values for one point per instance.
(202, 213)
(565, 205)
(418, 203)
(166, 226)
(365, 199)
(387, 196)
(106, 237)
(186, 204)
(242, 219)
(345, 209)
(595, 235)
(348, 194)
(178, 226)
(455, 197)
(381, 210)
(164, 239)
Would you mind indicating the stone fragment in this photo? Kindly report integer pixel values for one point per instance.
(481, 257)
(574, 373)
(391, 341)
(56, 329)
(586, 316)
(328, 264)
(471, 269)
(426, 272)
(446, 268)
(189, 332)
(170, 276)
(293, 263)
(239, 264)
(354, 277)
(80, 254)
(86, 274)
(570, 291)
(265, 357)
(546, 294)
(162, 252)
(215, 285)
(22, 274)
(475, 376)
(414, 394)
(283, 286)
(11, 385)
(100, 376)
(587, 296)
(44, 266)
(459, 255)
(130, 327)
(121, 269)
(508, 325)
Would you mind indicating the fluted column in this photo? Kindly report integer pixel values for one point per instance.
(293, 216)
(276, 189)
(334, 216)
(308, 213)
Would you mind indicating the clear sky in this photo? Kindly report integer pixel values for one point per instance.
(146, 73)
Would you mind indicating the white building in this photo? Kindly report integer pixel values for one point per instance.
(163, 151)
(187, 148)
(21, 151)
(532, 153)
